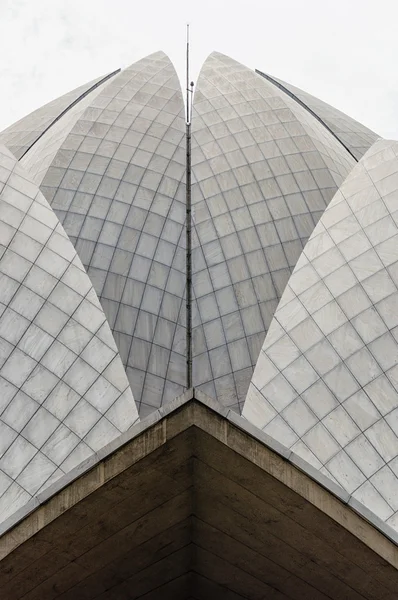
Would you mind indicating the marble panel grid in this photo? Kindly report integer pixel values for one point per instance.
(356, 137)
(117, 185)
(38, 158)
(93, 273)
(63, 391)
(263, 171)
(20, 136)
(326, 381)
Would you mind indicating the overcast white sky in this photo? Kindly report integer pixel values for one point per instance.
(343, 51)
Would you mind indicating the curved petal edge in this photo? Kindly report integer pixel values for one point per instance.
(326, 381)
(64, 393)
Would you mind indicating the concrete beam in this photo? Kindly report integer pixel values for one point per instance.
(194, 504)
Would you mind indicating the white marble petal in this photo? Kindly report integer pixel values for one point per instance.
(60, 372)
(346, 373)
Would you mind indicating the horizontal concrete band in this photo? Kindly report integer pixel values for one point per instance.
(196, 470)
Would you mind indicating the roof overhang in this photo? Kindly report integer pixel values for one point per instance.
(195, 503)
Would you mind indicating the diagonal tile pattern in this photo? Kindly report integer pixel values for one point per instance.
(38, 158)
(117, 186)
(23, 134)
(83, 329)
(353, 135)
(264, 170)
(326, 381)
(63, 390)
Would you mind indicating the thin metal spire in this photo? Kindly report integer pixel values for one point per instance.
(187, 79)
(189, 93)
